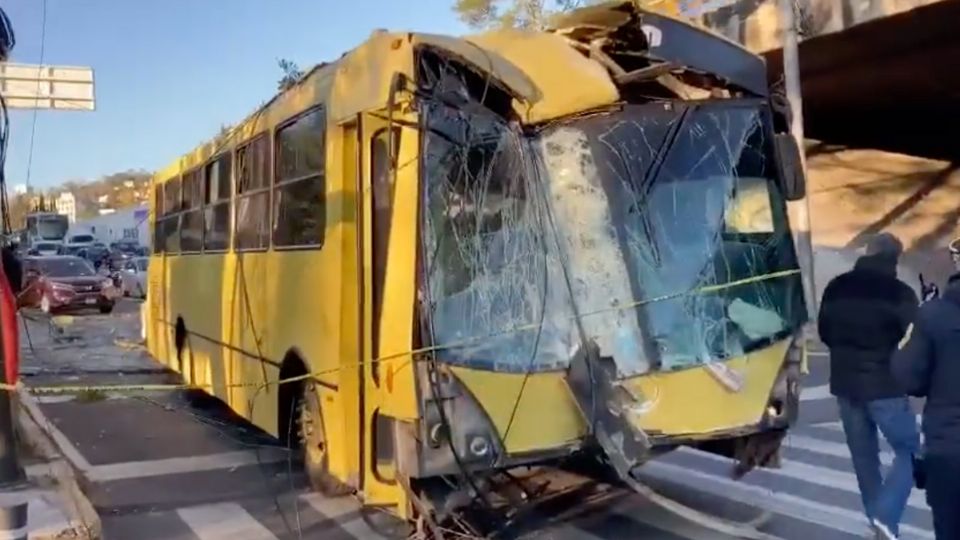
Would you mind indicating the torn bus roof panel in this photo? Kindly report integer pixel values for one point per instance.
(552, 64)
(627, 27)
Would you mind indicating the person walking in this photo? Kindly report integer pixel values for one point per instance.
(927, 364)
(864, 313)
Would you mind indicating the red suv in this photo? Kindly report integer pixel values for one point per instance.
(64, 283)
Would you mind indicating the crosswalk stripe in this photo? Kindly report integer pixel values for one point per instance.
(816, 393)
(331, 507)
(674, 524)
(223, 521)
(802, 509)
(828, 448)
(822, 476)
(337, 507)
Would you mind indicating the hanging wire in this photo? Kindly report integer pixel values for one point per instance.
(33, 122)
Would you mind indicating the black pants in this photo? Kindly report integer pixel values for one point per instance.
(943, 494)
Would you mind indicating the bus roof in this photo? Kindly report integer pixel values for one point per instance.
(535, 67)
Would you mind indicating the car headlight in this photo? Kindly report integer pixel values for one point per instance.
(61, 287)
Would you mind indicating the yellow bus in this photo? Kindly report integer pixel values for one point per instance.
(461, 255)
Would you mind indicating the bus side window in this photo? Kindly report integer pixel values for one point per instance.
(252, 222)
(299, 192)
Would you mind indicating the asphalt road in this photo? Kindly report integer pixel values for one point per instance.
(172, 465)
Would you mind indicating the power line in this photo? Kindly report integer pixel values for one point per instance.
(33, 127)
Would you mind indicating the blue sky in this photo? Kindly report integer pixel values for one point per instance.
(169, 73)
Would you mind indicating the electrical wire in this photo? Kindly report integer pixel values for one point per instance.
(543, 307)
(433, 370)
(33, 123)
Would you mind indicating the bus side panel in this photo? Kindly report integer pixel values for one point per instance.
(157, 331)
(197, 300)
(250, 340)
(345, 441)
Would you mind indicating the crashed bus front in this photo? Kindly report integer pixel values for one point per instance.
(623, 273)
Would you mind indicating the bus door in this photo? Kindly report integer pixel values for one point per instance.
(388, 218)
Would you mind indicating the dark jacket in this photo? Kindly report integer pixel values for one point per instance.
(863, 315)
(928, 365)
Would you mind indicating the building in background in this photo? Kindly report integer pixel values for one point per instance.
(20, 189)
(122, 224)
(67, 205)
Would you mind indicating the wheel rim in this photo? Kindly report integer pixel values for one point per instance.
(310, 426)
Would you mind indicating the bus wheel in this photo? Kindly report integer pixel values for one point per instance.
(313, 444)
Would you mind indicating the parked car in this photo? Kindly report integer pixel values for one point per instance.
(62, 283)
(134, 277)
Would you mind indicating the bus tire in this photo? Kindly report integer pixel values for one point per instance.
(312, 444)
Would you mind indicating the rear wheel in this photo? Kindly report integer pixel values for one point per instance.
(313, 444)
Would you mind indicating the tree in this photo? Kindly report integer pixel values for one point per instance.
(532, 14)
(291, 74)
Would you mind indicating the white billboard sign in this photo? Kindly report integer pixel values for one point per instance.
(31, 86)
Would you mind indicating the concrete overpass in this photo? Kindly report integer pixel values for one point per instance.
(875, 73)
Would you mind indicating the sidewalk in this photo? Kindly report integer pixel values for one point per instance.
(56, 507)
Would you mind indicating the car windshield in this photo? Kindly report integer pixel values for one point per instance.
(44, 246)
(81, 238)
(656, 232)
(142, 265)
(65, 267)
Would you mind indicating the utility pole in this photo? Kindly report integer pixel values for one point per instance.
(801, 209)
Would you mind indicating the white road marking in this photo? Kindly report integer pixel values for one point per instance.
(63, 443)
(821, 476)
(223, 521)
(675, 525)
(337, 507)
(815, 393)
(331, 507)
(180, 465)
(837, 426)
(829, 448)
(799, 508)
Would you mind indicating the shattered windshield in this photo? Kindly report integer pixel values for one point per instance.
(687, 194)
(655, 232)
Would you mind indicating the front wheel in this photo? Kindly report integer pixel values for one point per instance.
(107, 308)
(313, 445)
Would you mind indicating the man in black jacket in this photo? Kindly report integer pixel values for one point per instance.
(863, 315)
(928, 365)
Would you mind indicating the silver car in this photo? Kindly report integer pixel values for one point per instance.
(133, 276)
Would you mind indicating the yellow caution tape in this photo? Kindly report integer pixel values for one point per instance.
(120, 388)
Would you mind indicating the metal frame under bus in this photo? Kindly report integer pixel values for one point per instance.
(438, 258)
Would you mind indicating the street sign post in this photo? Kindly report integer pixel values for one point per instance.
(32, 86)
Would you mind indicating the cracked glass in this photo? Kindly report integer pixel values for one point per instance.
(656, 232)
(675, 210)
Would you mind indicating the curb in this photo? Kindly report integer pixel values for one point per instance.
(36, 428)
